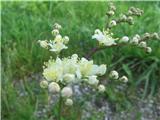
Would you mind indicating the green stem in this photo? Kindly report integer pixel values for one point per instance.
(60, 108)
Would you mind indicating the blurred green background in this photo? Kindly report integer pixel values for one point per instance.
(23, 23)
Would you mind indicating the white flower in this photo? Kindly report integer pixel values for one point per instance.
(66, 39)
(143, 44)
(44, 84)
(104, 38)
(101, 88)
(55, 32)
(112, 23)
(102, 69)
(124, 79)
(85, 66)
(69, 102)
(57, 47)
(148, 49)
(114, 74)
(53, 70)
(66, 92)
(43, 43)
(54, 87)
(69, 78)
(125, 39)
(92, 80)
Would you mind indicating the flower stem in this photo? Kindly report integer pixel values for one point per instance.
(60, 108)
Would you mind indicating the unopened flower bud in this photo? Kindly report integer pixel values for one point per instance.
(146, 35)
(43, 43)
(148, 49)
(66, 39)
(101, 88)
(124, 39)
(123, 79)
(114, 74)
(110, 12)
(69, 102)
(155, 35)
(55, 32)
(97, 31)
(66, 92)
(54, 87)
(69, 77)
(124, 17)
(112, 7)
(143, 44)
(44, 84)
(130, 12)
(57, 26)
(135, 40)
(130, 18)
(113, 23)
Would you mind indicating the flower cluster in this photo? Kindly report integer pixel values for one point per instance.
(140, 41)
(59, 42)
(115, 75)
(67, 71)
(104, 38)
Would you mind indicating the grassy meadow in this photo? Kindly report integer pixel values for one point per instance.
(24, 23)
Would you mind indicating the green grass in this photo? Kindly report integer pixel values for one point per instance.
(23, 23)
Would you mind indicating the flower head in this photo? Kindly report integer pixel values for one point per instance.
(104, 38)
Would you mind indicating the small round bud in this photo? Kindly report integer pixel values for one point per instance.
(112, 7)
(130, 12)
(143, 44)
(57, 26)
(54, 87)
(66, 39)
(135, 40)
(97, 31)
(66, 92)
(124, 17)
(44, 84)
(69, 78)
(101, 88)
(114, 74)
(155, 35)
(55, 32)
(125, 39)
(110, 13)
(130, 18)
(123, 79)
(69, 102)
(113, 23)
(43, 43)
(92, 80)
(146, 35)
(148, 49)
